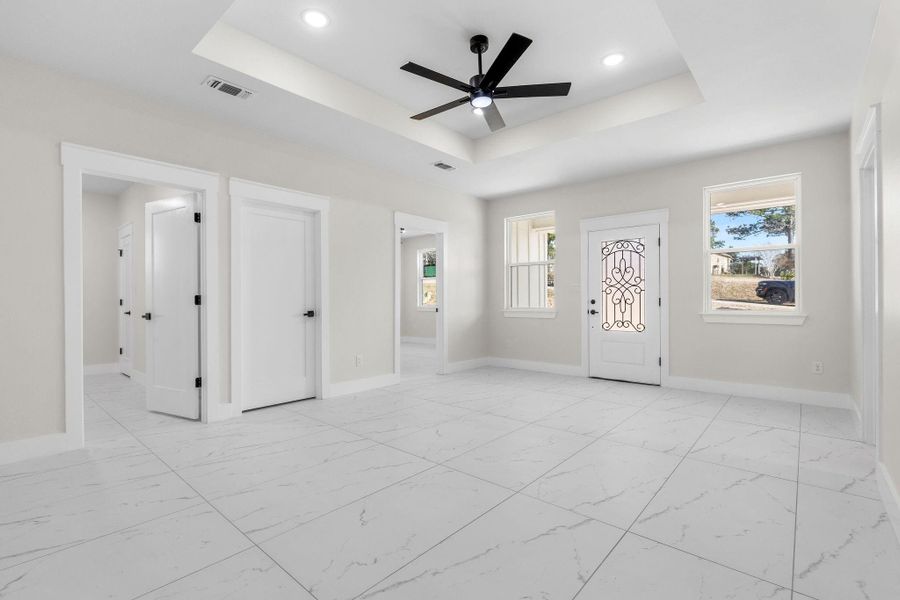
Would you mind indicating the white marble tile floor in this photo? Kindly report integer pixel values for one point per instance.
(488, 484)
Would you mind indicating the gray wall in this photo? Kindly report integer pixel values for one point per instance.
(42, 108)
(101, 279)
(773, 354)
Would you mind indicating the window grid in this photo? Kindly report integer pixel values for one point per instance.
(530, 262)
(426, 278)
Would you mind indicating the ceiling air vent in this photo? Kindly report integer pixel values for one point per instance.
(444, 166)
(217, 83)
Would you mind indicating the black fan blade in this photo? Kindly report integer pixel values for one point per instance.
(533, 91)
(435, 76)
(438, 110)
(492, 117)
(509, 54)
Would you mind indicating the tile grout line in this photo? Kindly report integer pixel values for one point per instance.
(512, 495)
(208, 503)
(103, 535)
(514, 492)
(628, 530)
(194, 572)
(796, 505)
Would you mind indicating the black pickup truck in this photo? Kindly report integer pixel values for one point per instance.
(776, 291)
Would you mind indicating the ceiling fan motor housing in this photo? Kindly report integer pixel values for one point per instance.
(483, 87)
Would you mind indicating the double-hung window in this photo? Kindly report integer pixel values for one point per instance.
(529, 269)
(426, 269)
(751, 251)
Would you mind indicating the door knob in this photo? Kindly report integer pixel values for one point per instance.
(146, 316)
(128, 312)
(310, 313)
(593, 312)
(593, 301)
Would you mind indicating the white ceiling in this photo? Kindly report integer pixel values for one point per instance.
(768, 71)
(367, 42)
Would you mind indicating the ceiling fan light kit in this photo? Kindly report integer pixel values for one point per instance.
(483, 88)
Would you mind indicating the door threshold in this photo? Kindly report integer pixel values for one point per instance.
(625, 381)
(246, 410)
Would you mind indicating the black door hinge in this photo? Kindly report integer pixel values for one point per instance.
(196, 217)
(660, 361)
(198, 382)
(121, 302)
(120, 252)
(197, 300)
(660, 301)
(120, 352)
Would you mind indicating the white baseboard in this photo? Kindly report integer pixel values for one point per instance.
(138, 377)
(425, 341)
(531, 365)
(42, 445)
(511, 363)
(466, 365)
(750, 390)
(342, 388)
(101, 369)
(766, 392)
(890, 495)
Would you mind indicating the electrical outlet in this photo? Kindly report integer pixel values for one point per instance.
(818, 367)
(358, 360)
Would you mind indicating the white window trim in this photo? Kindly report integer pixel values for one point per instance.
(524, 313)
(754, 317)
(420, 279)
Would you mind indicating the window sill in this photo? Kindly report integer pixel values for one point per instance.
(530, 313)
(755, 318)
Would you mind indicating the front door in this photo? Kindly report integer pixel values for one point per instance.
(624, 304)
(278, 310)
(172, 320)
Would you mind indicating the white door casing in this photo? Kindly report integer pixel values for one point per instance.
(624, 317)
(126, 299)
(172, 259)
(278, 304)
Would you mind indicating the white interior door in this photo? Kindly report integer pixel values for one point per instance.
(278, 361)
(173, 319)
(126, 299)
(624, 304)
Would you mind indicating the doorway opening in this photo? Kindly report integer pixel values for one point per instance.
(150, 299)
(420, 296)
(141, 298)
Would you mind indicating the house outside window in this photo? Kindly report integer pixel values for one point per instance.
(426, 273)
(751, 251)
(530, 257)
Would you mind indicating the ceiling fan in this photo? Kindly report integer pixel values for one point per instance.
(483, 89)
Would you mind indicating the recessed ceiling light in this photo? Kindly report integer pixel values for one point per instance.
(613, 60)
(315, 18)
